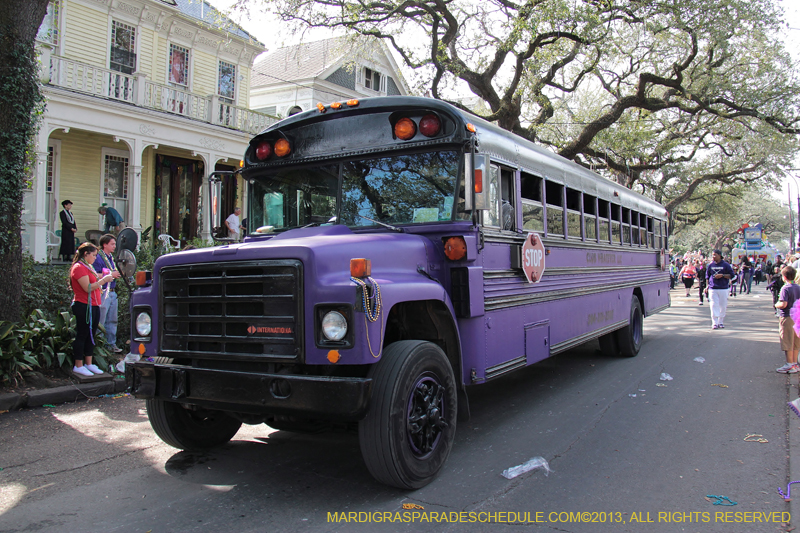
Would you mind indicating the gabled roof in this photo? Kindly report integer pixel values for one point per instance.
(299, 61)
(202, 10)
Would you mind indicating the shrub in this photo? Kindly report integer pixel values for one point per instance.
(45, 287)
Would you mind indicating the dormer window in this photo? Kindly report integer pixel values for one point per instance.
(372, 79)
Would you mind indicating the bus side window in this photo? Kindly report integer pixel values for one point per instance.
(574, 213)
(626, 226)
(553, 195)
(651, 238)
(643, 240)
(508, 212)
(604, 212)
(635, 228)
(532, 211)
(616, 231)
(590, 217)
(659, 235)
(492, 215)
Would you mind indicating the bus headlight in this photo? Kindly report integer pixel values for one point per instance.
(143, 324)
(334, 326)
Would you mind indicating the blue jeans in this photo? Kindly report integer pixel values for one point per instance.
(108, 316)
(749, 280)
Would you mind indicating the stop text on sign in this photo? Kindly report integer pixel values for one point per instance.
(533, 258)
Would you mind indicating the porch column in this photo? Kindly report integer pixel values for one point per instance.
(135, 186)
(35, 215)
(205, 202)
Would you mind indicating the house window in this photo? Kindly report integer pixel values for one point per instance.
(372, 79)
(115, 180)
(178, 65)
(48, 31)
(123, 48)
(227, 80)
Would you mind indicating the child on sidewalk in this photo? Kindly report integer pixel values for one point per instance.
(790, 342)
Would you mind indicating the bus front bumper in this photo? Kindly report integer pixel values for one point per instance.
(319, 397)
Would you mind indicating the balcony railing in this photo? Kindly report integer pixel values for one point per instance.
(136, 89)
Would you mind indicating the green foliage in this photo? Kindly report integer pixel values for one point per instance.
(44, 286)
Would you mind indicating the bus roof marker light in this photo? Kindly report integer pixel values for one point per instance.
(471, 128)
(430, 125)
(336, 105)
(321, 107)
(282, 148)
(405, 129)
(263, 150)
(352, 103)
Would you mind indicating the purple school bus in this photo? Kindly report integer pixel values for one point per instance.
(398, 252)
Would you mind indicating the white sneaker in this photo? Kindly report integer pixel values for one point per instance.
(82, 371)
(93, 369)
(121, 367)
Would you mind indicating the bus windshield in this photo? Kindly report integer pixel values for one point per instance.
(403, 189)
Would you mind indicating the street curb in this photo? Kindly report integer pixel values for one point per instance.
(58, 395)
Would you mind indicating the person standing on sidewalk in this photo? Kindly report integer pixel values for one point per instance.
(790, 342)
(86, 307)
(718, 274)
(104, 264)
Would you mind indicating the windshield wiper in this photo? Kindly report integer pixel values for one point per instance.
(330, 221)
(393, 228)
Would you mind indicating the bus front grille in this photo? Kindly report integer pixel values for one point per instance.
(245, 311)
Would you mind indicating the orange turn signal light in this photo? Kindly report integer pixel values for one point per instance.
(405, 129)
(360, 268)
(282, 148)
(455, 248)
(334, 356)
(142, 277)
(141, 349)
(321, 107)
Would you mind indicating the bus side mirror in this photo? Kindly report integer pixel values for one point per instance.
(475, 180)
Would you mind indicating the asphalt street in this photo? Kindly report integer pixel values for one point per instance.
(628, 452)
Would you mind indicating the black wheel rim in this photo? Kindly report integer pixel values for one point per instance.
(636, 324)
(426, 415)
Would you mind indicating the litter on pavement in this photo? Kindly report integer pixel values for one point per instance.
(755, 437)
(665, 377)
(720, 385)
(699, 359)
(788, 495)
(795, 406)
(720, 500)
(535, 462)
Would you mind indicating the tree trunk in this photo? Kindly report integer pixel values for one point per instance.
(19, 23)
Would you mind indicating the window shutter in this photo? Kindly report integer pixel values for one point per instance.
(383, 83)
(360, 75)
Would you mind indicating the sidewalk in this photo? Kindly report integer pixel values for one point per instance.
(57, 395)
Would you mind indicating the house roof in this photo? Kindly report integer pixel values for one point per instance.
(202, 10)
(299, 61)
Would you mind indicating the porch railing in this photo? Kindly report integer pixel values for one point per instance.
(136, 89)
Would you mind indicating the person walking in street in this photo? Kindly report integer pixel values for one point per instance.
(718, 274)
(702, 283)
(68, 230)
(790, 342)
(86, 307)
(114, 221)
(687, 275)
(758, 272)
(104, 264)
(747, 275)
(734, 279)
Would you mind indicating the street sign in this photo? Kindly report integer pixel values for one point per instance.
(533, 258)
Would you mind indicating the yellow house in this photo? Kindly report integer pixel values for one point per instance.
(145, 98)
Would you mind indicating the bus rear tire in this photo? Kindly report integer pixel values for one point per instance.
(409, 430)
(631, 336)
(187, 429)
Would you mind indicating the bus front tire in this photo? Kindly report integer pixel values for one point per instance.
(187, 429)
(631, 336)
(409, 430)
